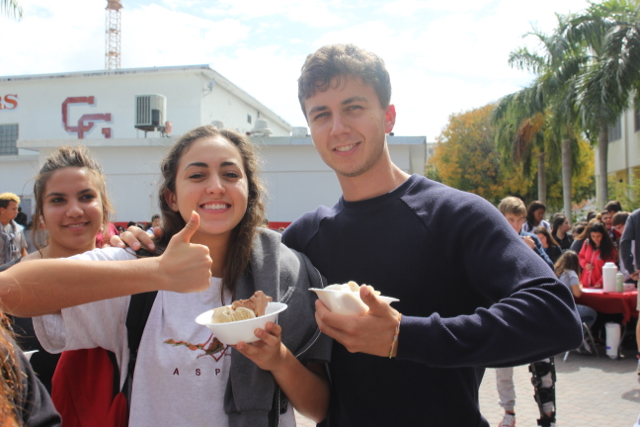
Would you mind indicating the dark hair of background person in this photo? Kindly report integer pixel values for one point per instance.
(558, 220)
(550, 240)
(619, 218)
(21, 218)
(613, 206)
(155, 216)
(69, 157)
(569, 260)
(591, 215)
(324, 70)
(578, 228)
(606, 245)
(585, 233)
(534, 206)
(241, 240)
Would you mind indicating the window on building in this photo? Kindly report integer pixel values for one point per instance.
(636, 119)
(615, 131)
(8, 139)
(248, 118)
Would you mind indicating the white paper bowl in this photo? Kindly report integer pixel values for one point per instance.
(347, 303)
(243, 330)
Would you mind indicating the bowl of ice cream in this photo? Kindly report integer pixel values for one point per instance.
(345, 298)
(237, 322)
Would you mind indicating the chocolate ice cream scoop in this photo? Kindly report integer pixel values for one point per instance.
(258, 303)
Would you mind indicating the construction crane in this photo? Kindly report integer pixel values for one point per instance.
(112, 39)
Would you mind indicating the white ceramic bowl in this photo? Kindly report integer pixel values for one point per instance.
(243, 330)
(348, 303)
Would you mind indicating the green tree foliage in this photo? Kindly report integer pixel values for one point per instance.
(627, 194)
(608, 33)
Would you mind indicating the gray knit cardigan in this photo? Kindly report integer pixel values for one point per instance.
(252, 397)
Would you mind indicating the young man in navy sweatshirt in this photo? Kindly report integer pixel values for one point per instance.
(471, 294)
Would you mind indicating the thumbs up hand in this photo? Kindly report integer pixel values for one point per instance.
(185, 266)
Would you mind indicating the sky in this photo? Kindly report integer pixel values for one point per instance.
(444, 57)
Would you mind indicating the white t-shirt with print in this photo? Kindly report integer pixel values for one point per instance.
(181, 371)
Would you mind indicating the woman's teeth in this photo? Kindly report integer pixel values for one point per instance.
(215, 206)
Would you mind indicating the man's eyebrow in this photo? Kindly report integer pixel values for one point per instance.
(345, 102)
(355, 99)
(316, 109)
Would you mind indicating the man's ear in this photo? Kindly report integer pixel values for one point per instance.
(389, 118)
(170, 198)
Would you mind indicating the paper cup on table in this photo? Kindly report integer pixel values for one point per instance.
(613, 339)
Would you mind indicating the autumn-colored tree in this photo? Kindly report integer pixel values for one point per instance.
(466, 157)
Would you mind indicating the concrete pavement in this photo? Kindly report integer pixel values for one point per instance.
(591, 392)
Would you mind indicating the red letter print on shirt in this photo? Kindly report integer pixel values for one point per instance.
(211, 347)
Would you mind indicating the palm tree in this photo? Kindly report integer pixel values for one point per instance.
(520, 127)
(546, 110)
(11, 9)
(608, 34)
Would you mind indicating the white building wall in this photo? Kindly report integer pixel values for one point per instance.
(220, 104)
(16, 173)
(623, 159)
(40, 116)
(296, 179)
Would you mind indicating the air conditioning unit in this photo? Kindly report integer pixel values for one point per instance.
(150, 112)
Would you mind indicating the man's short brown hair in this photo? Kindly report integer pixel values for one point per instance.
(512, 205)
(338, 61)
(620, 218)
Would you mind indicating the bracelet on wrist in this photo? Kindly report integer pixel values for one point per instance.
(395, 336)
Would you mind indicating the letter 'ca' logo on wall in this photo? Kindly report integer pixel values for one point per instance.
(86, 121)
(8, 102)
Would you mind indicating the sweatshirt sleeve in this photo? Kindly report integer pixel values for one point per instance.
(529, 314)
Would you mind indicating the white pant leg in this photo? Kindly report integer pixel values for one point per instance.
(506, 388)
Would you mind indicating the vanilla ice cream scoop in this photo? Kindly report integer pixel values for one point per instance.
(351, 286)
(227, 314)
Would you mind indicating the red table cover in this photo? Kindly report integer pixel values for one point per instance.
(611, 302)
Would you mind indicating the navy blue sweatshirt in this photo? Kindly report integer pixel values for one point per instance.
(471, 293)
